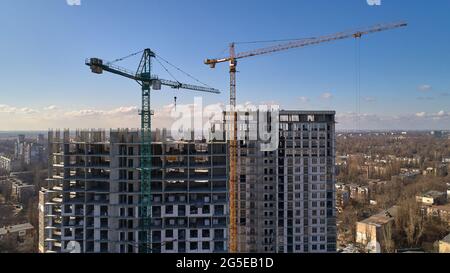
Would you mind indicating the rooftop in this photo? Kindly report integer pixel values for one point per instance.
(446, 239)
(382, 217)
(15, 228)
(433, 194)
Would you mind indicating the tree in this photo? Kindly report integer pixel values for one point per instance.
(7, 245)
(388, 243)
(6, 191)
(410, 222)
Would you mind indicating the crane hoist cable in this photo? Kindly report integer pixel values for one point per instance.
(123, 58)
(182, 71)
(273, 41)
(167, 70)
(358, 82)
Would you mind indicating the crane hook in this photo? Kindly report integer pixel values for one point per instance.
(175, 102)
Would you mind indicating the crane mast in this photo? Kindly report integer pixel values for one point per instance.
(148, 82)
(233, 151)
(232, 59)
(144, 70)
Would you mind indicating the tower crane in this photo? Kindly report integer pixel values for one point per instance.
(232, 60)
(148, 82)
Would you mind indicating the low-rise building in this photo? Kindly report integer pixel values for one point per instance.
(377, 182)
(428, 171)
(441, 211)
(21, 192)
(444, 244)
(448, 192)
(375, 231)
(5, 163)
(342, 199)
(358, 192)
(20, 236)
(8, 164)
(432, 198)
(441, 170)
(345, 192)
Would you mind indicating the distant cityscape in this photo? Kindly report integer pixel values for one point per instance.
(383, 179)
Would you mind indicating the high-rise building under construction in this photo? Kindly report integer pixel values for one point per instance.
(285, 194)
(92, 200)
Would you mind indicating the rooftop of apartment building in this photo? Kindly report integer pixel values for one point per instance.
(381, 218)
(434, 194)
(15, 181)
(15, 228)
(446, 239)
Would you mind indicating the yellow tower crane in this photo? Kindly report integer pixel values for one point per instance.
(232, 60)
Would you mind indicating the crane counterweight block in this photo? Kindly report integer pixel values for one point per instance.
(211, 63)
(95, 64)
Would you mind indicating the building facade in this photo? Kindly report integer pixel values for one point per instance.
(92, 202)
(287, 195)
(5, 164)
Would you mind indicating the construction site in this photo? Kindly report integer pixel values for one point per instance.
(142, 191)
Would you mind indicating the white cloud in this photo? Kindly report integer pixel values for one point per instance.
(25, 118)
(123, 110)
(425, 98)
(326, 96)
(73, 2)
(417, 121)
(370, 99)
(51, 108)
(304, 99)
(436, 116)
(421, 114)
(7, 109)
(424, 87)
(441, 113)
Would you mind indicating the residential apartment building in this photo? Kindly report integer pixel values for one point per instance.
(92, 201)
(287, 195)
(21, 192)
(444, 244)
(21, 236)
(375, 232)
(5, 163)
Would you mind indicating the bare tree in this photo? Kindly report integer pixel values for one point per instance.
(410, 222)
(388, 242)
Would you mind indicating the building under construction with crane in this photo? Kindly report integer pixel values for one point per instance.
(93, 197)
(142, 192)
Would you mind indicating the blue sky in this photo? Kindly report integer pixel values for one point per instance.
(405, 73)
